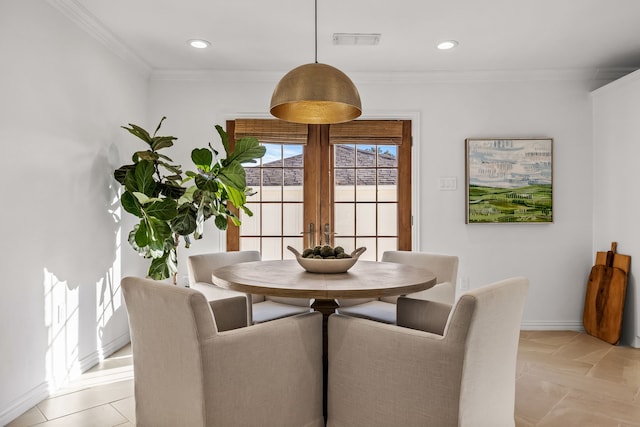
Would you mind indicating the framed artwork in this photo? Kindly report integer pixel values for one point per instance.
(509, 180)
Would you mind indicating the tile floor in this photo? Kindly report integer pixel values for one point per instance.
(564, 379)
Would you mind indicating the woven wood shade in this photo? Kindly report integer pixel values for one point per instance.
(272, 131)
(381, 132)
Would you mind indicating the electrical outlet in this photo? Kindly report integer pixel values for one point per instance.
(464, 284)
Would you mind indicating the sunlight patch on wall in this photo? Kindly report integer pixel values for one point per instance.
(61, 316)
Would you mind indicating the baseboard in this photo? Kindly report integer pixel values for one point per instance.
(542, 325)
(44, 390)
(90, 360)
(24, 403)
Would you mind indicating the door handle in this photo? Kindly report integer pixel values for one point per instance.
(312, 234)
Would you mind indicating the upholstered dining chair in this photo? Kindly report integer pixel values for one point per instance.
(383, 309)
(189, 373)
(259, 308)
(439, 367)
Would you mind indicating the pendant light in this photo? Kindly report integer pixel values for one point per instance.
(316, 93)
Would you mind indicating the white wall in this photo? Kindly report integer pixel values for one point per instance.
(63, 96)
(616, 139)
(556, 257)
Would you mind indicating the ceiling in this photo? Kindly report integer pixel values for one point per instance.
(277, 35)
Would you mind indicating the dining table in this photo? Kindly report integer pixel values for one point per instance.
(287, 278)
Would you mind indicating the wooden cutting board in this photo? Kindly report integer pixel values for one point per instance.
(606, 290)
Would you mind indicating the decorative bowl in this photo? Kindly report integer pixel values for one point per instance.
(327, 266)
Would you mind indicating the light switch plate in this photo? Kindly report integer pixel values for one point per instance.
(447, 183)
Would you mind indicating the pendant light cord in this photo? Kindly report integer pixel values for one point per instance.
(316, 30)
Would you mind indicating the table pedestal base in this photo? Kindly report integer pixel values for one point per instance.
(327, 307)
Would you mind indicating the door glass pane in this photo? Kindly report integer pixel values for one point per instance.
(293, 173)
(387, 219)
(388, 156)
(366, 185)
(273, 156)
(386, 244)
(344, 156)
(370, 243)
(292, 219)
(344, 219)
(366, 219)
(347, 243)
(250, 224)
(250, 244)
(272, 219)
(344, 185)
(294, 242)
(387, 185)
(366, 156)
(271, 248)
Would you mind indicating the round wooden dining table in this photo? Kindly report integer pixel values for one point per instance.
(286, 278)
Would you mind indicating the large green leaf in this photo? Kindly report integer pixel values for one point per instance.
(139, 132)
(237, 197)
(164, 210)
(145, 155)
(142, 251)
(221, 222)
(121, 173)
(142, 235)
(185, 222)
(159, 231)
(159, 270)
(233, 175)
(160, 142)
(130, 183)
(246, 151)
(246, 210)
(130, 204)
(176, 169)
(224, 137)
(144, 177)
(171, 190)
(205, 183)
(202, 158)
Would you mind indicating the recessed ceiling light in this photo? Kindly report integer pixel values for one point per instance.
(199, 43)
(447, 44)
(364, 39)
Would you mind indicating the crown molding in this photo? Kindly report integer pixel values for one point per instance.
(87, 22)
(406, 78)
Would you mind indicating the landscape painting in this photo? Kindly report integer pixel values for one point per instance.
(509, 180)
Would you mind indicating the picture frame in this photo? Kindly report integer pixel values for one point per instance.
(509, 180)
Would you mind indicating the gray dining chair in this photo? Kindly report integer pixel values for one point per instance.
(187, 372)
(260, 308)
(441, 366)
(383, 309)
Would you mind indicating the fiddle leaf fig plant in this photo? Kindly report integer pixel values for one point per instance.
(170, 204)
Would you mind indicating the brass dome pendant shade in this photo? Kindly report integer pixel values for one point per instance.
(316, 93)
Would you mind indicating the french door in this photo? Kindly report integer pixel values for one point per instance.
(344, 185)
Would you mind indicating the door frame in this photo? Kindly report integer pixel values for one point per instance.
(414, 116)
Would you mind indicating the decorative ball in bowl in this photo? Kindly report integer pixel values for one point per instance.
(326, 259)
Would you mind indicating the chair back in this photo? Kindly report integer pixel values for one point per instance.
(487, 320)
(445, 267)
(167, 325)
(201, 266)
